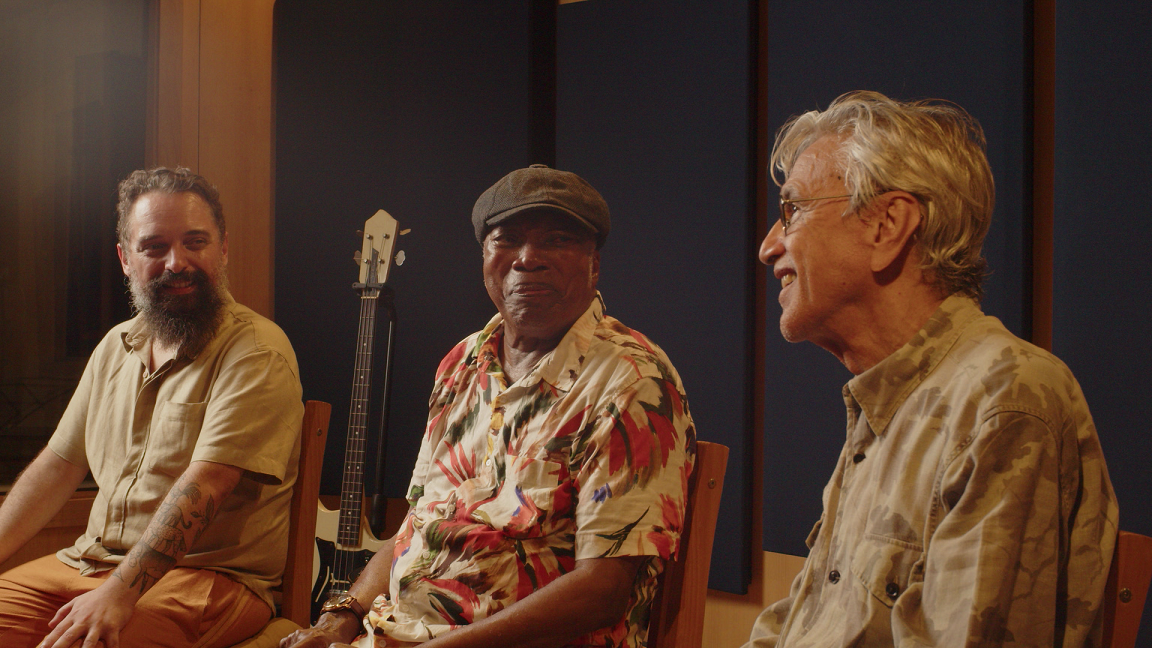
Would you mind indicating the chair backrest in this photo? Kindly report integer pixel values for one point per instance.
(1126, 590)
(677, 619)
(297, 588)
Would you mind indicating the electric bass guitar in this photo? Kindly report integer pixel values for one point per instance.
(344, 541)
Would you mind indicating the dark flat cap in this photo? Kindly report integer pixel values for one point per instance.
(541, 187)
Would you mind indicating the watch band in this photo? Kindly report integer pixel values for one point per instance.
(345, 602)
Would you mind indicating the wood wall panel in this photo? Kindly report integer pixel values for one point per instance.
(213, 114)
(174, 109)
(235, 143)
(728, 618)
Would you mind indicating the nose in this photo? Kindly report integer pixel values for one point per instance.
(529, 258)
(177, 259)
(773, 245)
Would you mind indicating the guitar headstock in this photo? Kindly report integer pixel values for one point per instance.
(375, 260)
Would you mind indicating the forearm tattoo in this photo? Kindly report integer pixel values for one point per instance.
(150, 566)
(174, 529)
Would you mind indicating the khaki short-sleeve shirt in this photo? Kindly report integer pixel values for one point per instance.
(238, 402)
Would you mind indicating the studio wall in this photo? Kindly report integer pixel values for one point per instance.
(414, 108)
(1102, 287)
(975, 55)
(654, 106)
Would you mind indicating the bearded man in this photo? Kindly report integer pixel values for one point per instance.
(188, 418)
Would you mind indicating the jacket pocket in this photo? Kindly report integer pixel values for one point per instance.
(886, 566)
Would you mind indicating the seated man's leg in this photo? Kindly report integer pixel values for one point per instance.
(188, 607)
(30, 594)
(195, 607)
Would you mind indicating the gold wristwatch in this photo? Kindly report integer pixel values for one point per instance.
(344, 602)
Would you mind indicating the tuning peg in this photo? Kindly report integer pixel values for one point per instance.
(356, 257)
(405, 231)
(359, 233)
(400, 256)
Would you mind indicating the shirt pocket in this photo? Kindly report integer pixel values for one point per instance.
(175, 431)
(523, 504)
(886, 566)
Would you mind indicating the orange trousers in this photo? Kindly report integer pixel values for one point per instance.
(188, 608)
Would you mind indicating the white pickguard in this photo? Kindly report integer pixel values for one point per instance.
(328, 527)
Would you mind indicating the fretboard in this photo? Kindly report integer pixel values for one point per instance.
(352, 488)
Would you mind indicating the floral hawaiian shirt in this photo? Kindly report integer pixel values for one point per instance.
(586, 456)
(970, 506)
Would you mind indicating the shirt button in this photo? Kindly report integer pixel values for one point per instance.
(834, 576)
(858, 457)
(892, 590)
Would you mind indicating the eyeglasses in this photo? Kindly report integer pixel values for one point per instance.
(788, 207)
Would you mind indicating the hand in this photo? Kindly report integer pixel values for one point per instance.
(331, 630)
(95, 616)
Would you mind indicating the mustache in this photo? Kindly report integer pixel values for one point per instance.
(192, 276)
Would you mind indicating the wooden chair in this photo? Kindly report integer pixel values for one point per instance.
(1126, 590)
(677, 619)
(295, 603)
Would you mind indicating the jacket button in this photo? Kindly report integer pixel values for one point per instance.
(892, 590)
(834, 576)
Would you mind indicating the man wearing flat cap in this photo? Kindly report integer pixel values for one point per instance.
(551, 481)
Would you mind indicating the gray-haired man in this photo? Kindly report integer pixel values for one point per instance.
(970, 505)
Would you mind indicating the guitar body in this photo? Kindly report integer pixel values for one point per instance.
(329, 556)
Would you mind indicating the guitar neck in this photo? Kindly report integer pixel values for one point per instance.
(352, 488)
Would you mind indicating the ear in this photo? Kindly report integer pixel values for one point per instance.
(893, 225)
(224, 249)
(123, 259)
(595, 268)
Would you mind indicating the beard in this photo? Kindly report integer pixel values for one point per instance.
(187, 322)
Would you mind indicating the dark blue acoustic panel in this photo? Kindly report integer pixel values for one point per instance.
(653, 109)
(974, 54)
(414, 108)
(1102, 287)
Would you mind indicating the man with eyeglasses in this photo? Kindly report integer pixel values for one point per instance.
(971, 505)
